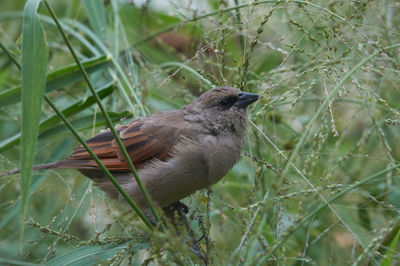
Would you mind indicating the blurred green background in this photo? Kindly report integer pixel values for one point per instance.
(308, 189)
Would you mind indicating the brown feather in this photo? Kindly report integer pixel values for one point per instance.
(140, 147)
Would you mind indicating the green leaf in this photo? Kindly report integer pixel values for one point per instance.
(93, 255)
(72, 109)
(34, 70)
(388, 260)
(4, 261)
(83, 124)
(96, 13)
(57, 79)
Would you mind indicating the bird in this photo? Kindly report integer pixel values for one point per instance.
(175, 152)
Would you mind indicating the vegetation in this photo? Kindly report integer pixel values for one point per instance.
(318, 182)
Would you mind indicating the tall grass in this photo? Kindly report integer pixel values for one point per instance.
(318, 182)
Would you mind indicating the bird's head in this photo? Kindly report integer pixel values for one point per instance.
(221, 108)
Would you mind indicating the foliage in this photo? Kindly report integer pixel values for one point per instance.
(318, 182)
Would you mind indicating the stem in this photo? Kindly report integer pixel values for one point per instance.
(98, 161)
(322, 206)
(237, 7)
(324, 103)
(107, 118)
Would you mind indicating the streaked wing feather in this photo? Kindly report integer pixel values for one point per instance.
(140, 147)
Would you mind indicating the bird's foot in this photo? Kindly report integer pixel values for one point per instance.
(180, 207)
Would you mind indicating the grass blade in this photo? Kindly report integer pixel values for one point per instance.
(34, 70)
(193, 72)
(82, 124)
(96, 13)
(57, 79)
(72, 109)
(388, 260)
(92, 255)
(5, 261)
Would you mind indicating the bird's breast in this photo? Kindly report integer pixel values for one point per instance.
(195, 164)
(221, 152)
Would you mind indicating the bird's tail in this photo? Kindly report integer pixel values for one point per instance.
(36, 167)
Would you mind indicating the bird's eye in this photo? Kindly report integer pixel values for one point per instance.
(227, 102)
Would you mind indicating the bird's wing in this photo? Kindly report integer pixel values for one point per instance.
(141, 147)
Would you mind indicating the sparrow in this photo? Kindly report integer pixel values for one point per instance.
(175, 152)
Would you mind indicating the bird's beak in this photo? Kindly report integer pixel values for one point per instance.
(245, 99)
